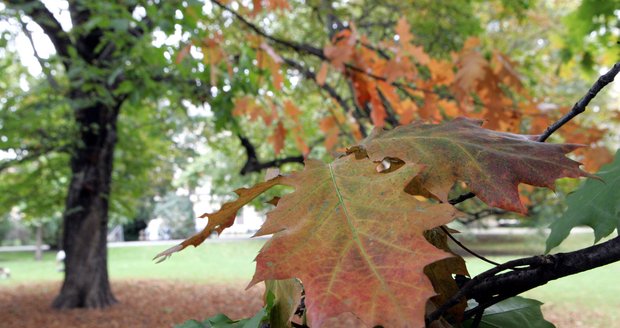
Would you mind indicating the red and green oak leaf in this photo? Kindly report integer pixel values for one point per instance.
(492, 163)
(355, 239)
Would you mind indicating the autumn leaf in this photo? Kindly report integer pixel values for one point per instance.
(222, 219)
(277, 138)
(440, 273)
(342, 48)
(404, 31)
(472, 68)
(322, 75)
(491, 163)
(356, 241)
(330, 126)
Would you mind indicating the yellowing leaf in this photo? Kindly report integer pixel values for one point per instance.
(356, 241)
(491, 163)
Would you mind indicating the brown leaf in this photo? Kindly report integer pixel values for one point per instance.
(322, 75)
(440, 273)
(278, 137)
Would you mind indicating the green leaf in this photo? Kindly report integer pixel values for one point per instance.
(255, 321)
(595, 204)
(222, 321)
(515, 312)
(191, 324)
(282, 297)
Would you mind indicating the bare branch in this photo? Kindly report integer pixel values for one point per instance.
(254, 165)
(310, 75)
(493, 286)
(581, 105)
(44, 68)
(46, 20)
(299, 47)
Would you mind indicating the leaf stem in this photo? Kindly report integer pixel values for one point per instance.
(466, 248)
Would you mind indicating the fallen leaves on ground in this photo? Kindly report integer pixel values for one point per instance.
(163, 303)
(142, 303)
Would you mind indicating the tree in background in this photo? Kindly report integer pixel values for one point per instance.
(177, 214)
(104, 68)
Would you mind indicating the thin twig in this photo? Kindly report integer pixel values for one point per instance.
(41, 61)
(466, 248)
(581, 105)
(461, 198)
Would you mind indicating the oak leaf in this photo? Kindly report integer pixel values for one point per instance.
(595, 204)
(356, 241)
(491, 163)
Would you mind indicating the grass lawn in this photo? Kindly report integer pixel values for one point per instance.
(218, 262)
(596, 292)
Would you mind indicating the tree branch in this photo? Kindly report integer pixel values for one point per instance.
(254, 165)
(44, 69)
(46, 20)
(326, 87)
(493, 286)
(299, 47)
(32, 155)
(581, 105)
(306, 48)
(447, 232)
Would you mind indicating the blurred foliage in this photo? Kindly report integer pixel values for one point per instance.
(177, 128)
(178, 215)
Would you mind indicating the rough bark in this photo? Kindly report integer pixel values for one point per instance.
(85, 223)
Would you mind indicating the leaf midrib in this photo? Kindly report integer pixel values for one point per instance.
(358, 242)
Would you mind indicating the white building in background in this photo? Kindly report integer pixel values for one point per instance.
(154, 230)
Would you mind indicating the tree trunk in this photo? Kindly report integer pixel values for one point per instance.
(38, 251)
(86, 281)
